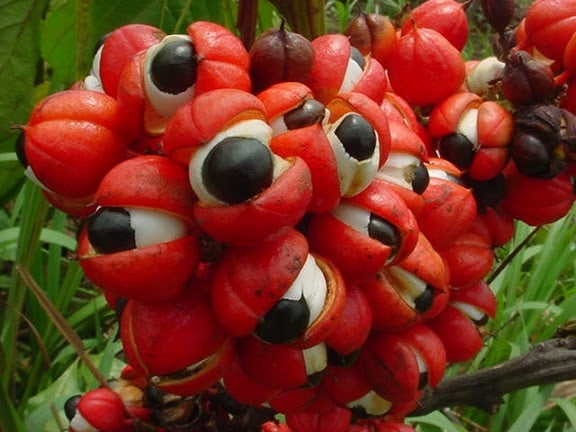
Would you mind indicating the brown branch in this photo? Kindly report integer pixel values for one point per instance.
(548, 362)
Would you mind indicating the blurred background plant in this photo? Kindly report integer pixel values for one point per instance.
(47, 45)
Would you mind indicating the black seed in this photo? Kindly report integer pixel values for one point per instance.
(423, 380)
(341, 360)
(533, 157)
(482, 321)
(285, 322)
(357, 136)
(315, 378)
(307, 114)
(359, 412)
(424, 301)
(70, 406)
(109, 230)
(173, 68)
(383, 231)
(420, 179)
(237, 169)
(20, 150)
(100, 42)
(487, 193)
(458, 149)
(357, 56)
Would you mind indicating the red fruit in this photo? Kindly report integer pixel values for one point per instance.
(537, 201)
(424, 67)
(162, 339)
(447, 17)
(549, 26)
(72, 139)
(91, 407)
(118, 49)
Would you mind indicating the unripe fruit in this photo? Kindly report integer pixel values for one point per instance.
(280, 55)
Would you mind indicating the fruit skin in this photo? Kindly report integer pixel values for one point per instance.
(309, 143)
(72, 139)
(549, 25)
(279, 55)
(391, 367)
(460, 335)
(449, 207)
(424, 67)
(222, 63)
(487, 125)
(447, 17)
(158, 271)
(372, 33)
(163, 338)
(196, 122)
(277, 209)
(331, 58)
(248, 281)
(102, 409)
(537, 201)
(119, 47)
(390, 289)
(364, 255)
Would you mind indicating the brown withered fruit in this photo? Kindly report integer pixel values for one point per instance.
(279, 55)
(498, 13)
(527, 80)
(372, 34)
(541, 140)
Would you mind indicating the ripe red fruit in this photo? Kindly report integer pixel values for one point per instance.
(424, 67)
(72, 139)
(549, 26)
(447, 17)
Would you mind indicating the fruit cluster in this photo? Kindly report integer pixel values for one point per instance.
(304, 226)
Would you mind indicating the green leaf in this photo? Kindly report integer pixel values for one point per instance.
(569, 409)
(530, 412)
(438, 420)
(59, 38)
(19, 58)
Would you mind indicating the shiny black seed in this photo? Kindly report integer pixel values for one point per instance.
(357, 56)
(70, 406)
(285, 322)
(20, 151)
(424, 301)
(174, 67)
(420, 179)
(307, 114)
(342, 360)
(237, 169)
(422, 380)
(383, 231)
(533, 157)
(482, 321)
(109, 230)
(487, 193)
(357, 136)
(458, 149)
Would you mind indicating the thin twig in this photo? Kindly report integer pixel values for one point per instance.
(512, 255)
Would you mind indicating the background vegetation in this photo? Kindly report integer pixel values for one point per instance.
(47, 45)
